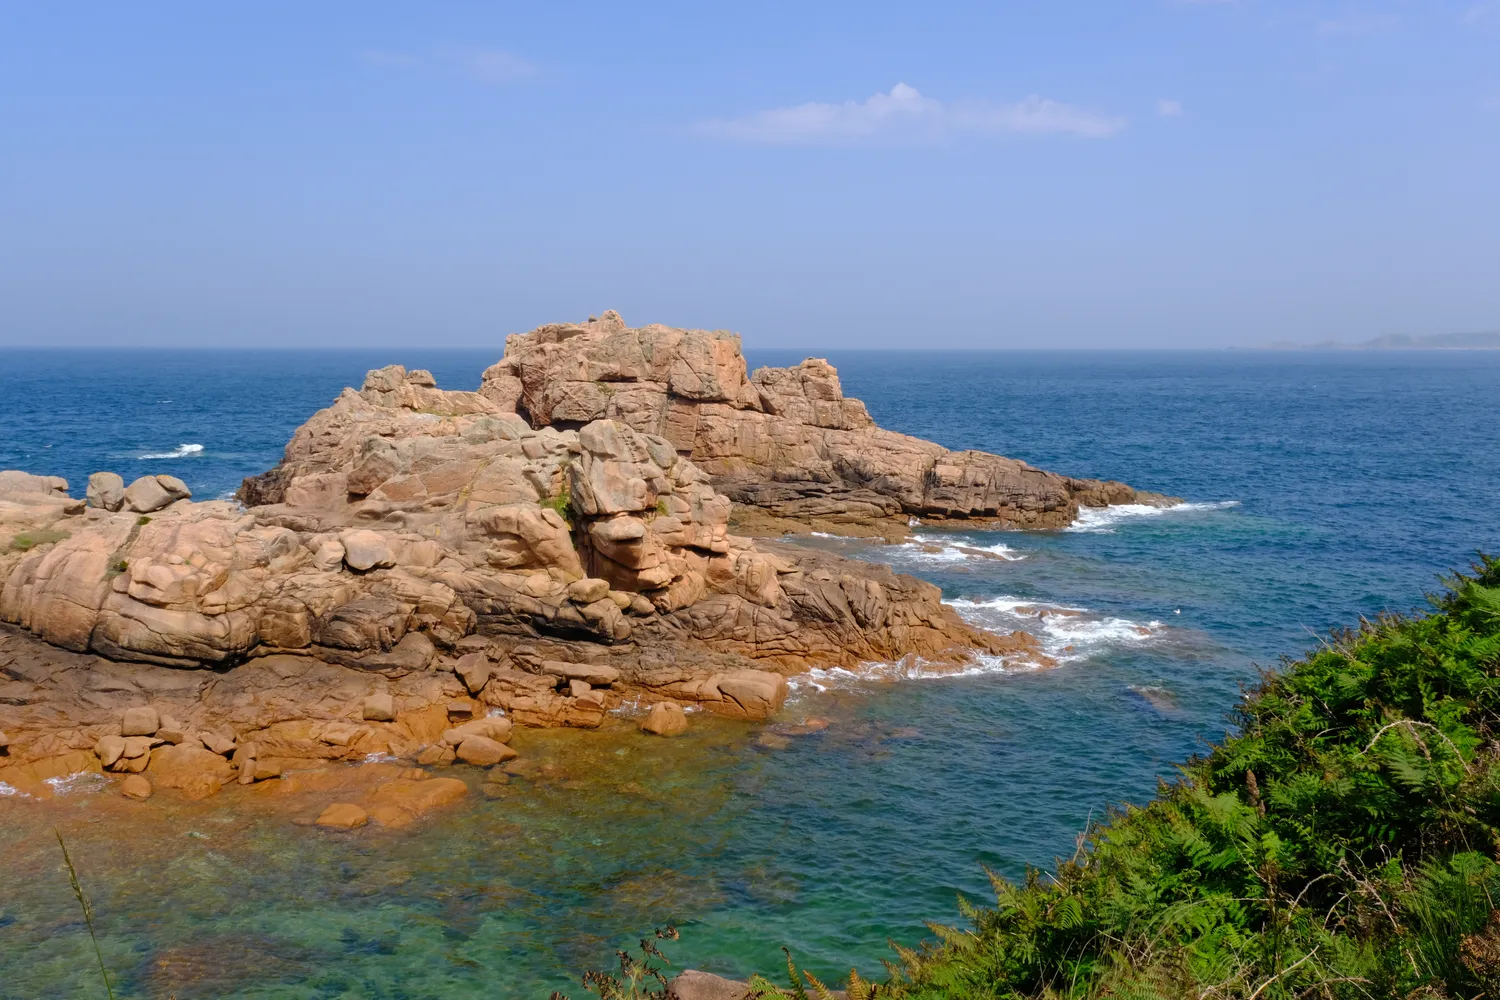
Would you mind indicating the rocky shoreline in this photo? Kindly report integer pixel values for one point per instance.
(426, 569)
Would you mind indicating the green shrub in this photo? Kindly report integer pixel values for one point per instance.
(1342, 844)
(25, 541)
(562, 503)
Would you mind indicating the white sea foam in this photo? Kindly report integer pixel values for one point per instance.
(8, 790)
(1066, 633)
(78, 781)
(181, 451)
(1102, 520)
(911, 669)
(938, 552)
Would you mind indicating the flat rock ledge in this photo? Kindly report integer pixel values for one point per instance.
(572, 538)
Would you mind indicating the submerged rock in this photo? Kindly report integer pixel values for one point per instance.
(343, 816)
(666, 718)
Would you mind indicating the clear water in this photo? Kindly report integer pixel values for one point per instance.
(1325, 486)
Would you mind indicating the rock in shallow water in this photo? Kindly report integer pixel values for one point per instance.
(402, 802)
(343, 816)
(666, 718)
(136, 786)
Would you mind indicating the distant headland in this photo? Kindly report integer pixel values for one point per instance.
(1400, 342)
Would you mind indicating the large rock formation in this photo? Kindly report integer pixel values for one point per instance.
(782, 441)
(553, 546)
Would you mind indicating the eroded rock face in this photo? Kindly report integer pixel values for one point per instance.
(421, 557)
(783, 441)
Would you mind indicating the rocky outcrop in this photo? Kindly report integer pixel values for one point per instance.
(783, 442)
(551, 547)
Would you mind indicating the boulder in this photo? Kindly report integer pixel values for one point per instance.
(175, 488)
(196, 772)
(481, 751)
(401, 802)
(136, 786)
(495, 728)
(751, 694)
(365, 550)
(109, 750)
(146, 495)
(588, 590)
(474, 670)
(343, 816)
(380, 707)
(106, 491)
(666, 718)
(219, 744)
(436, 755)
(691, 984)
(16, 486)
(140, 721)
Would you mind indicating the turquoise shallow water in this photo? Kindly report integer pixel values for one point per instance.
(1324, 486)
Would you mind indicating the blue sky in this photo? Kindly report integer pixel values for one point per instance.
(1120, 173)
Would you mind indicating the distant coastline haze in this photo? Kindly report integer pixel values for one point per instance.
(1163, 174)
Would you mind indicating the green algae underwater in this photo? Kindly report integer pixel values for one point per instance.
(1359, 478)
(1341, 844)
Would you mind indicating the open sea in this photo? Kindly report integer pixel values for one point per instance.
(1322, 487)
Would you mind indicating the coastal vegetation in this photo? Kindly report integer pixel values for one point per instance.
(25, 541)
(1341, 843)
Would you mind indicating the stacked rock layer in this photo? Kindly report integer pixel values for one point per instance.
(551, 546)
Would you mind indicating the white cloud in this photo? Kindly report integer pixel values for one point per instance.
(904, 117)
(1168, 108)
(483, 65)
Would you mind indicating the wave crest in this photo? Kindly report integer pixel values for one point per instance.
(1102, 520)
(181, 451)
(1066, 633)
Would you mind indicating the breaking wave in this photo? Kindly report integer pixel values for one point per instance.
(940, 552)
(181, 451)
(910, 669)
(1102, 520)
(1066, 633)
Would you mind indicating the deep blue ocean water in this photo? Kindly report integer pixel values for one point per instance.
(1322, 487)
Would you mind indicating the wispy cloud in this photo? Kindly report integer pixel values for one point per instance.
(1359, 24)
(1481, 13)
(480, 65)
(904, 117)
(491, 65)
(1168, 108)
